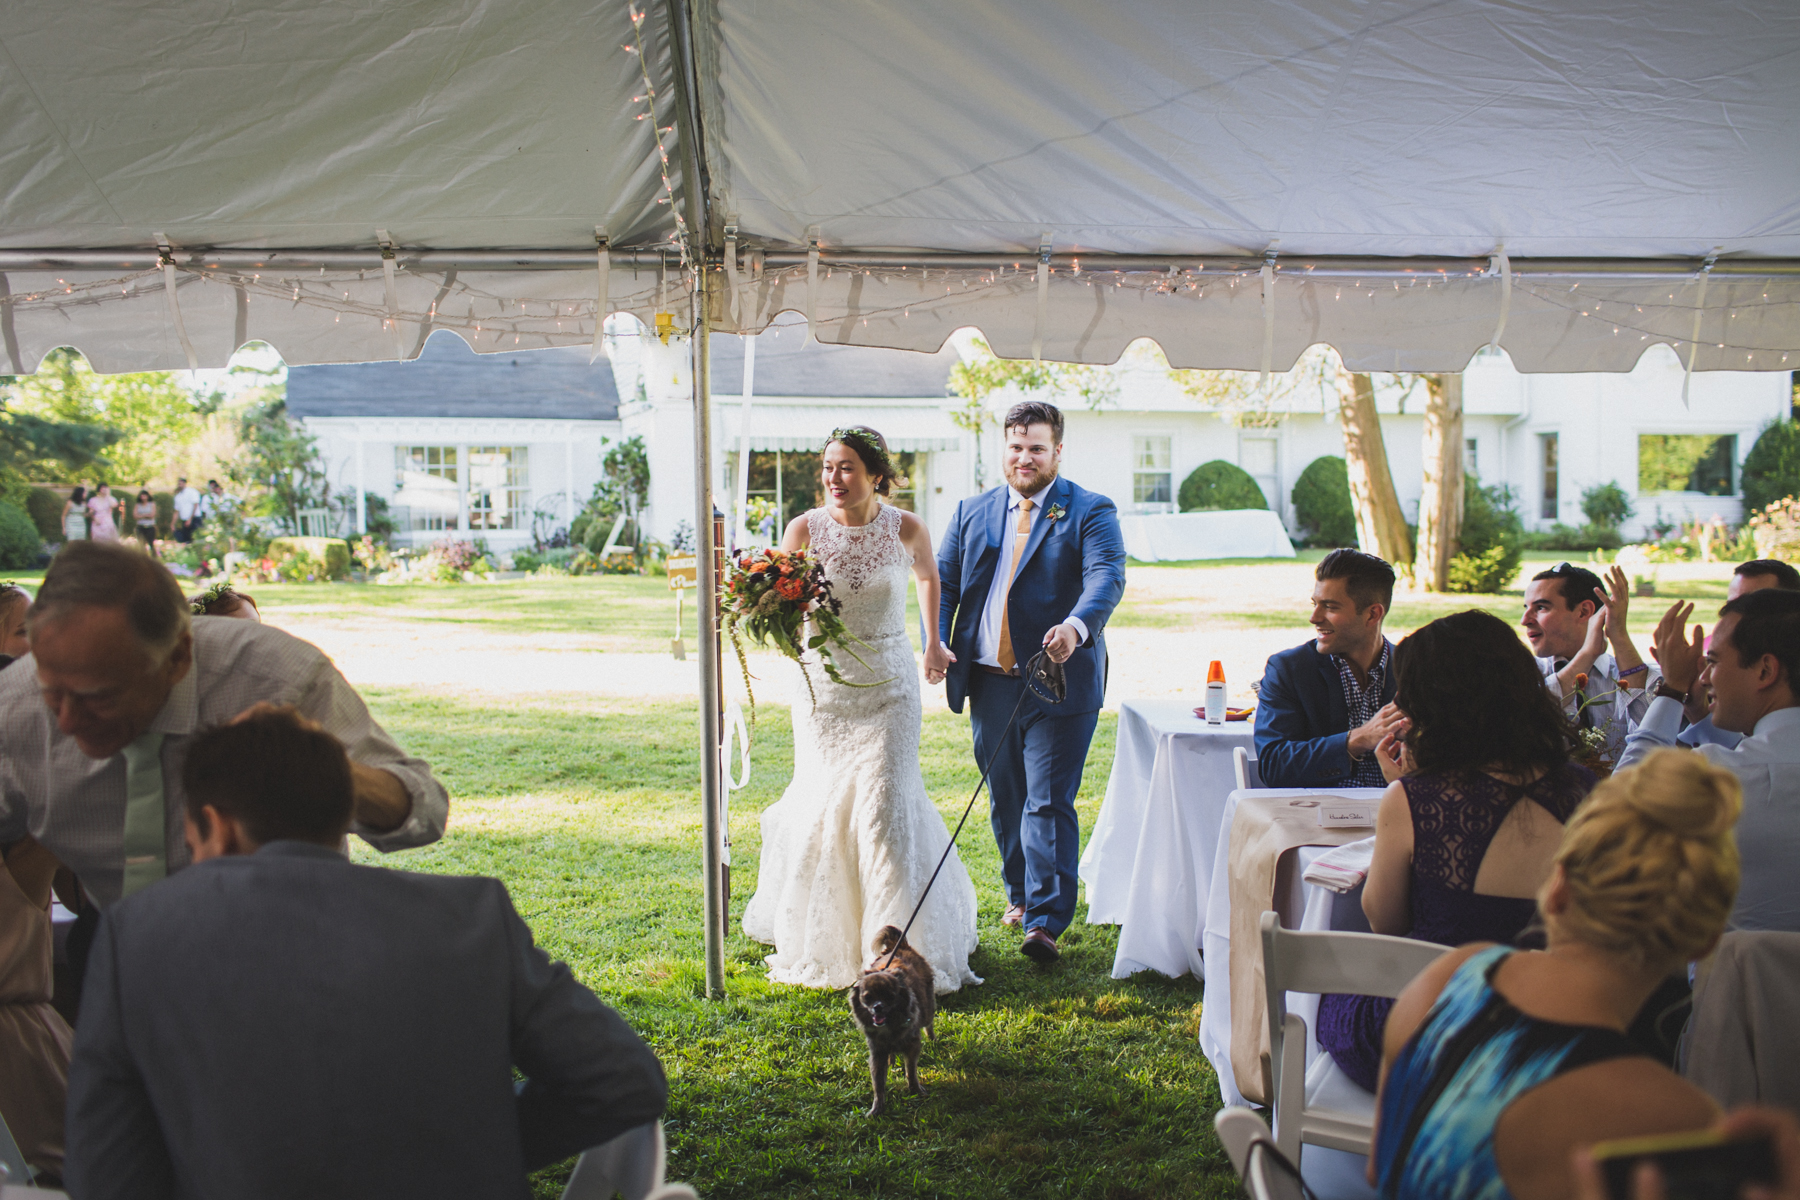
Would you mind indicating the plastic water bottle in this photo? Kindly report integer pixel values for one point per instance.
(1215, 693)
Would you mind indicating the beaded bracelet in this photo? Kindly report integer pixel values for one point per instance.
(1634, 670)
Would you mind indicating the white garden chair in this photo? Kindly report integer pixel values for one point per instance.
(1243, 765)
(1265, 1175)
(631, 1164)
(1323, 1107)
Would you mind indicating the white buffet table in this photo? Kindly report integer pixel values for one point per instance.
(1227, 533)
(1149, 863)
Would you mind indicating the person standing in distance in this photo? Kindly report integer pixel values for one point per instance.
(1037, 563)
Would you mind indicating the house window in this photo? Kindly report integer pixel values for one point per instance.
(1687, 462)
(911, 466)
(1152, 483)
(499, 487)
(1548, 509)
(1260, 459)
(428, 486)
(1472, 457)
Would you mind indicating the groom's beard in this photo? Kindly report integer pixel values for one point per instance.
(1035, 484)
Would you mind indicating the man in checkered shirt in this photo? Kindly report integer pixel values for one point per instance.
(117, 666)
(1325, 706)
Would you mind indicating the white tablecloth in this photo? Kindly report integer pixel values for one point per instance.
(1314, 905)
(1230, 533)
(1148, 865)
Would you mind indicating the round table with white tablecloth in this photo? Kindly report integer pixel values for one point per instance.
(1148, 865)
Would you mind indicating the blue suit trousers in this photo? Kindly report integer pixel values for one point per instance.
(1031, 795)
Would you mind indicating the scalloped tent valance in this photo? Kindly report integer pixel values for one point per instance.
(1375, 158)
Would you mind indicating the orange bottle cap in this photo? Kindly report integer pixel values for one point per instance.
(1216, 672)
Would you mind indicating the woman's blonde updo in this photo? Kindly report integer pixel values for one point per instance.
(1651, 862)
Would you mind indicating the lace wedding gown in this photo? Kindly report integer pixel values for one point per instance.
(851, 843)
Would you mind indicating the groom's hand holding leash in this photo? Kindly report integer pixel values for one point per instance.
(1061, 642)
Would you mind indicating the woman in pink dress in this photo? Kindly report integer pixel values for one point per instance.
(100, 511)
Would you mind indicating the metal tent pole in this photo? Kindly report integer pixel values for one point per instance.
(706, 614)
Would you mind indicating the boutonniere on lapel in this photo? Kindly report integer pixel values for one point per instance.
(1056, 512)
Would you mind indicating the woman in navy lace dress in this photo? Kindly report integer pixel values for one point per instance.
(1466, 838)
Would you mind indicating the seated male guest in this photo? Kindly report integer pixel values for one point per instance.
(1752, 576)
(94, 725)
(1325, 705)
(1571, 621)
(276, 1021)
(1751, 664)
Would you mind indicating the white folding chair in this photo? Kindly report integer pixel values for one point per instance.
(1243, 765)
(631, 1165)
(1325, 1108)
(1265, 1175)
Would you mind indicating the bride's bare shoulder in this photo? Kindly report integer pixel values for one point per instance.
(798, 534)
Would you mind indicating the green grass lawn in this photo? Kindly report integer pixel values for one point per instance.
(1054, 1081)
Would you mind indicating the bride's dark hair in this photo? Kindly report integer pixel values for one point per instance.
(871, 447)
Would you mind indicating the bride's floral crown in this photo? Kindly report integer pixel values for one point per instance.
(875, 445)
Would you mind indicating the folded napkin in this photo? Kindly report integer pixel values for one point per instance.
(1341, 868)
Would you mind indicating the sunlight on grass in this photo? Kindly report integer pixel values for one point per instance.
(1057, 1081)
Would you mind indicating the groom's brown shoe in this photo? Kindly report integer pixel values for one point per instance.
(1015, 915)
(1040, 947)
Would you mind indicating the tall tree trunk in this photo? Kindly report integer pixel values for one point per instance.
(1441, 502)
(1380, 525)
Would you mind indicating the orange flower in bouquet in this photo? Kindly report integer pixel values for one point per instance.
(768, 596)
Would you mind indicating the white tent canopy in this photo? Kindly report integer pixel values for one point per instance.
(1378, 158)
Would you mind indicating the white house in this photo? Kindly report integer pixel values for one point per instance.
(460, 444)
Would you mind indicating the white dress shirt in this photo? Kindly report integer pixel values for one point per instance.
(187, 502)
(987, 637)
(1612, 708)
(1767, 763)
(75, 805)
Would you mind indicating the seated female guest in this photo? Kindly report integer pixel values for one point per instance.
(1499, 1063)
(1464, 840)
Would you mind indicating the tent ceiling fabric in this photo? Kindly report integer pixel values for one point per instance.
(1410, 128)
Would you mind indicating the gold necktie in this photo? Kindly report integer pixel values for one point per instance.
(1007, 662)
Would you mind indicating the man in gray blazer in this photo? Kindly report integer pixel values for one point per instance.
(278, 1022)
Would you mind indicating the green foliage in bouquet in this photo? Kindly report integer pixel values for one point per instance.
(768, 596)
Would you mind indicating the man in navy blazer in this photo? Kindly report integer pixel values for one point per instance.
(1037, 563)
(1325, 706)
(275, 1021)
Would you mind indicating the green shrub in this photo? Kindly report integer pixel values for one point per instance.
(1491, 546)
(1322, 505)
(44, 506)
(165, 513)
(1772, 468)
(1219, 484)
(1575, 538)
(1606, 506)
(20, 544)
(315, 558)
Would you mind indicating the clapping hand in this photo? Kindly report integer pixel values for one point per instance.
(1619, 602)
(1681, 661)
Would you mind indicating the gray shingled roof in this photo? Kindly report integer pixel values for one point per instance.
(450, 380)
(785, 366)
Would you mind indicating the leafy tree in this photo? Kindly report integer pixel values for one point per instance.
(623, 489)
(71, 415)
(277, 470)
(1772, 468)
(1606, 506)
(1492, 544)
(1219, 484)
(1322, 504)
(974, 381)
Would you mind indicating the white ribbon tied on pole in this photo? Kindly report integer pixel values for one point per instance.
(391, 290)
(167, 256)
(1268, 348)
(731, 280)
(602, 291)
(1043, 301)
(735, 730)
(1687, 375)
(1501, 265)
(812, 291)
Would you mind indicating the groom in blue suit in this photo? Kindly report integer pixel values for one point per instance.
(1036, 564)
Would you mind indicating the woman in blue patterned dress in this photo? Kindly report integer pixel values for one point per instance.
(1499, 1062)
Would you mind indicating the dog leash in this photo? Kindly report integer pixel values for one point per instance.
(1038, 676)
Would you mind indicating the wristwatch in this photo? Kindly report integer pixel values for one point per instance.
(1663, 689)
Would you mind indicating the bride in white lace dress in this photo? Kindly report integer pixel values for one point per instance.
(850, 845)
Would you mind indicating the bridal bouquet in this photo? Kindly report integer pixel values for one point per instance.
(767, 598)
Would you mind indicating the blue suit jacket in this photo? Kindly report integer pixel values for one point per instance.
(289, 1024)
(1303, 722)
(1072, 566)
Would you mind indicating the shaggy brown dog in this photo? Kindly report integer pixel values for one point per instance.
(893, 1006)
